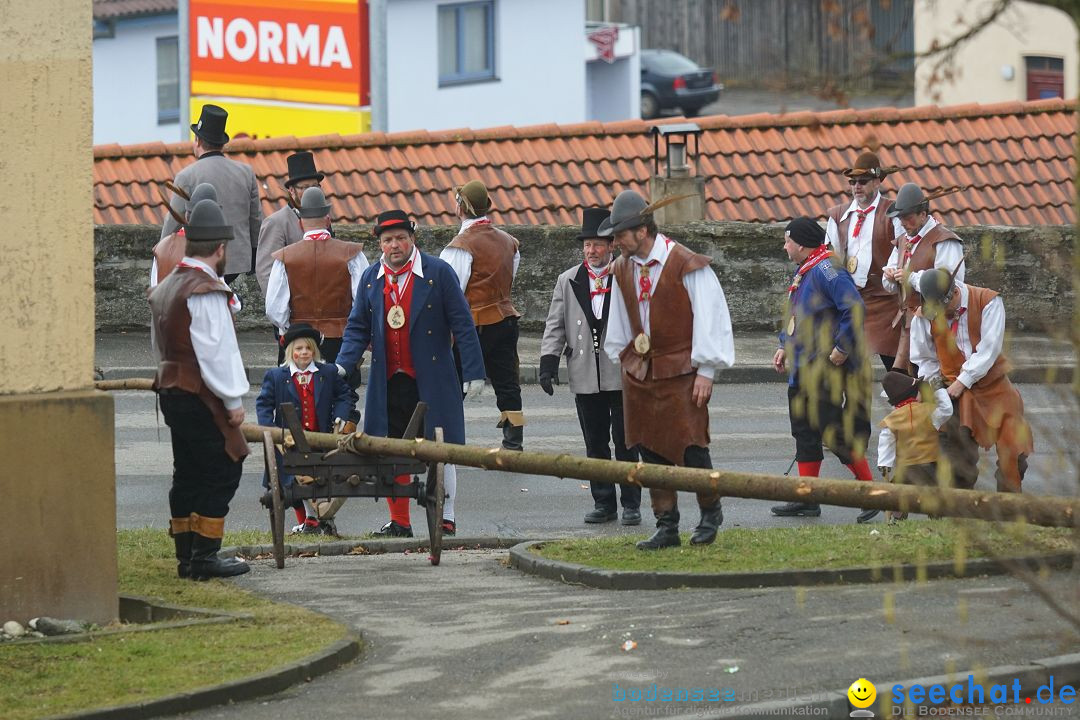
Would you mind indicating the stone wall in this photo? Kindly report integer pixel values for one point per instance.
(1030, 265)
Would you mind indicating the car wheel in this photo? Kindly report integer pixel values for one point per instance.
(649, 105)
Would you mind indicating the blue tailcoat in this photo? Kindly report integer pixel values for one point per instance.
(333, 399)
(438, 311)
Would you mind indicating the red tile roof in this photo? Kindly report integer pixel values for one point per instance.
(115, 9)
(1017, 160)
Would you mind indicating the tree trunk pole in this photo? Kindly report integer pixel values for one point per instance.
(1046, 511)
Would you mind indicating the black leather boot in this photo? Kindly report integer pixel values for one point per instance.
(705, 532)
(667, 532)
(183, 553)
(513, 436)
(206, 564)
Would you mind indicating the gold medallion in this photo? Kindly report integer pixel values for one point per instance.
(852, 264)
(396, 317)
(641, 344)
(791, 326)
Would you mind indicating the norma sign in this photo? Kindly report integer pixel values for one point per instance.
(297, 51)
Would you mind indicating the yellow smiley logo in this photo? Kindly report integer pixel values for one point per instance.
(862, 693)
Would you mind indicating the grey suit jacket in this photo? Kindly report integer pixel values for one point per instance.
(238, 194)
(574, 331)
(278, 230)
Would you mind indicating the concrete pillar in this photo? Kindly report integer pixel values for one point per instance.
(58, 483)
(691, 209)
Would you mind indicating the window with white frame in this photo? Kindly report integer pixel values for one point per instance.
(466, 42)
(168, 80)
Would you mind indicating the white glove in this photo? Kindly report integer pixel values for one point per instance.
(472, 389)
(341, 371)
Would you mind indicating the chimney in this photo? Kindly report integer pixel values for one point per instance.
(678, 177)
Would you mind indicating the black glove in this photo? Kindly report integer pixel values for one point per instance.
(549, 373)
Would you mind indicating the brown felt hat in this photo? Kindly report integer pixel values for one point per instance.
(473, 195)
(868, 165)
(899, 387)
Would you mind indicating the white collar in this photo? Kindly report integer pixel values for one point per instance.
(310, 368)
(466, 224)
(309, 233)
(963, 296)
(660, 249)
(194, 262)
(854, 206)
(417, 265)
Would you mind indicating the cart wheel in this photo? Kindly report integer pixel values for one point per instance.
(435, 497)
(277, 514)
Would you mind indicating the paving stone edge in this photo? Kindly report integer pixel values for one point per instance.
(523, 559)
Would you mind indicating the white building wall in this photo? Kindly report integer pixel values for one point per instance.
(984, 63)
(539, 68)
(125, 83)
(614, 89)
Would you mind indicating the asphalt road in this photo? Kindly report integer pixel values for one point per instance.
(749, 432)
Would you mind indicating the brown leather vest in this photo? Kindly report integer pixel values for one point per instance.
(658, 408)
(169, 252)
(179, 367)
(488, 291)
(922, 258)
(916, 438)
(319, 283)
(993, 400)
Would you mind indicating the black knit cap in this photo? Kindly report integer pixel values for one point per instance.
(392, 220)
(899, 387)
(806, 232)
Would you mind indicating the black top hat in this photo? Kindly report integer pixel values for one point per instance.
(206, 222)
(899, 386)
(302, 167)
(391, 220)
(590, 223)
(211, 125)
(806, 232)
(302, 330)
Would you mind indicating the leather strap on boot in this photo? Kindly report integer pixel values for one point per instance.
(179, 525)
(208, 527)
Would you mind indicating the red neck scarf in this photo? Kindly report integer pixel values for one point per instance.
(596, 287)
(395, 284)
(861, 219)
(817, 256)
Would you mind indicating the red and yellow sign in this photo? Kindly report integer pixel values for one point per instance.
(306, 51)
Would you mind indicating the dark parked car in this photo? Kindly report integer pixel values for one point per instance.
(670, 80)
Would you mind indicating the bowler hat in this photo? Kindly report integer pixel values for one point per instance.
(302, 330)
(805, 232)
(211, 125)
(392, 220)
(590, 222)
(899, 387)
(910, 199)
(868, 165)
(202, 191)
(207, 222)
(302, 167)
(313, 203)
(473, 195)
(626, 212)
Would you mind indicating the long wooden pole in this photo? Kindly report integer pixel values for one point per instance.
(1037, 510)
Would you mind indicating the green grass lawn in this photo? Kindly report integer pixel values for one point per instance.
(39, 680)
(911, 542)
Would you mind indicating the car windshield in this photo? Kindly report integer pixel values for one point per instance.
(669, 63)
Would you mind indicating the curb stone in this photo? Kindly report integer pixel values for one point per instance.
(321, 662)
(374, 547)
(522, 558)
